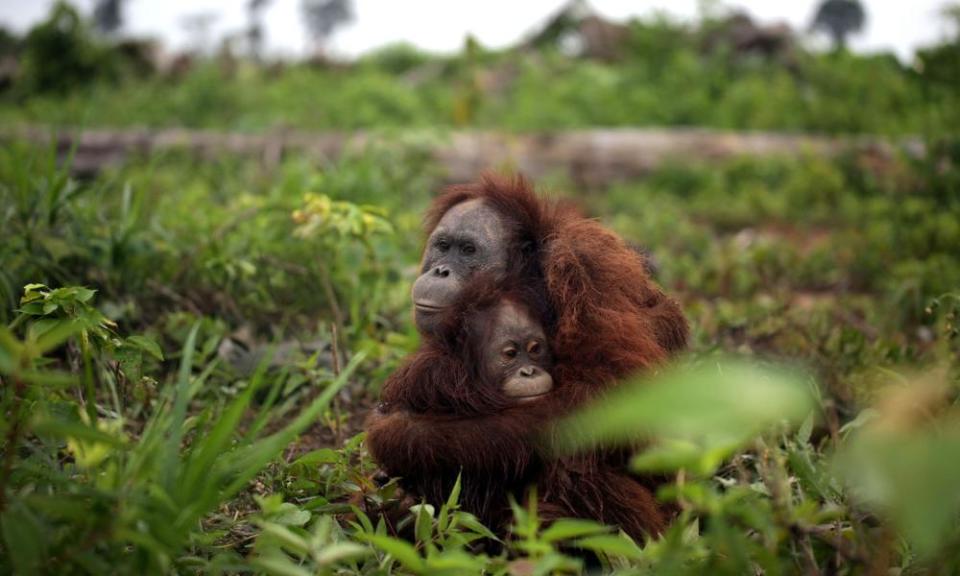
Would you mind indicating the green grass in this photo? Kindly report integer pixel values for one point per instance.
(133, 444)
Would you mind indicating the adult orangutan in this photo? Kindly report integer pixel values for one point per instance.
(602, 319)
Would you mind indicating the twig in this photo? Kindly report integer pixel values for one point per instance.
(335, 352)
(831, 537)
(331, 297)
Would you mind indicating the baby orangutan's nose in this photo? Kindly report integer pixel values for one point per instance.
(528, 371)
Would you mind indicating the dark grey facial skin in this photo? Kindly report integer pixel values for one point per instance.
(518, 352)
(470, 238)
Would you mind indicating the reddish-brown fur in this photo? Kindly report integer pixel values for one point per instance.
(605, 319)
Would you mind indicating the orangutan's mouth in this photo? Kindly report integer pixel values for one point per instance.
(530, 398)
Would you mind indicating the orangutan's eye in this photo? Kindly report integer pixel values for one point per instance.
(534, 348)
(510, 352)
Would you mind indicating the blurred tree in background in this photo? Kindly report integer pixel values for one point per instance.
(60, 55)
(108, 16)
(255, 32)
(322, 17)
(839, 19)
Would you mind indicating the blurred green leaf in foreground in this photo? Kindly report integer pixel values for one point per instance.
(699, 415)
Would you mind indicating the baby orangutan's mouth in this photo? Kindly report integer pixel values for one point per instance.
(427, 307)
(531, 397)
(528, 388)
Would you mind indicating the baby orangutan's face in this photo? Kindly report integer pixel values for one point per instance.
(517, 354)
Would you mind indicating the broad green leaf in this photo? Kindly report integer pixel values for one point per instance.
(23, 538)
(612, 544)
(456, 562)
(287, 538)
(473, 523)
(567, 528)
(729, 399)
(701, 457)
(423, 526)
(402, 551)
(339, 552)
(76, 431)
(290, 515)
(147, 345)
(911, 476)
(279, 565)
(454, 498)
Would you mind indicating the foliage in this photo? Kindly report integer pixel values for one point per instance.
(668, 76)
(59, 54)
(131, 444)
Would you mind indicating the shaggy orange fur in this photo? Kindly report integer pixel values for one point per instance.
(606, 320)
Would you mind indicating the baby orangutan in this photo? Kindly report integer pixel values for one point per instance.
(516, 354)
(477, 400)
(470, 402)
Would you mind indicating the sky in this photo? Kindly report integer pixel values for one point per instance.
(441, 25)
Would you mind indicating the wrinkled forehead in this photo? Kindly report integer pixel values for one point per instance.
(472, 218)
(512, 319)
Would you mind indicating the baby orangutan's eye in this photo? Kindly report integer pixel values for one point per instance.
(509, 352)
(534, 348)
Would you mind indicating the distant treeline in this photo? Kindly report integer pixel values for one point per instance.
(579, 70)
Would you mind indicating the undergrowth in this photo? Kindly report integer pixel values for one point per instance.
(188, 348)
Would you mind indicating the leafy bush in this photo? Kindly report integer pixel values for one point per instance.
(59, 54)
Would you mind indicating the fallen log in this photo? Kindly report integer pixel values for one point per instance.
(591, 158)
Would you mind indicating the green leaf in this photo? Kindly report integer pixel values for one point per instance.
(286, 537)
(75, 430)
(147, 345)
(402, 551)
(454, 496)
(48, 334)
(456, 562)
(472, 523)
(340, 552)
(806, 429)
(729, 399)
(611, 544)
(423, 527)
(279, 565)
(172, 461)
(910, 476)
(701, 457)
(567, 528)
(131, 362)
(23, 538)
(290, 515)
